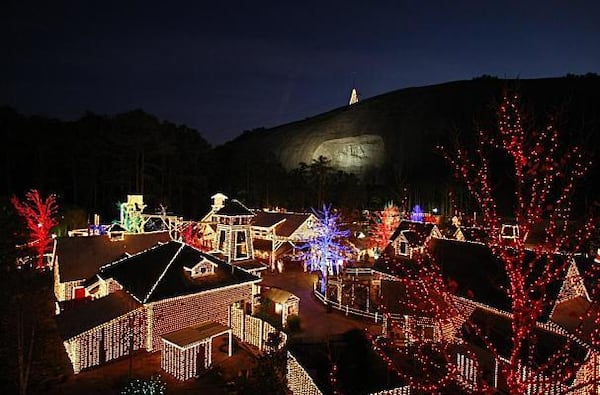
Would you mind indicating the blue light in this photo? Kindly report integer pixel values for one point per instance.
(417, 214)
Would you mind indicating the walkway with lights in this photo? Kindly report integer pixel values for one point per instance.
(317, 322)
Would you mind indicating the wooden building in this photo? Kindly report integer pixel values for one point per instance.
(411, 236)
(77, 259)
(276, 233)
(161, 290)
(187, 352)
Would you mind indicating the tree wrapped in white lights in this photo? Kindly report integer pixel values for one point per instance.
(326, 251)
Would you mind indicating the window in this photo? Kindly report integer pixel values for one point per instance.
(403, 248)
(116, 236)
(222, 237)
(241, 247)
(202, 269)
(79, 293)
(466, 368)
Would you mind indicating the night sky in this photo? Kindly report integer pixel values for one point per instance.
(223, 67)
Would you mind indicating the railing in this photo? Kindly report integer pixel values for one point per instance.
(374, 315)
(358, 270)
(404, 390)
(253, 330)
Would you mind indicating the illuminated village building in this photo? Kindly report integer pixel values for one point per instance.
(276, 234)
(476, 279)
(234, 236)
(123, 292)
(284, 303)
(411, 236)
(77, 259)
(145, 300)
(240, 235)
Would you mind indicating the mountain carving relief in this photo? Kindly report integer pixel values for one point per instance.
(353, 154)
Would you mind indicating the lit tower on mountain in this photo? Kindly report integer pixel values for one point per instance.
(353, 97)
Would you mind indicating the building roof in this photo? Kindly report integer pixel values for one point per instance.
(474, 271)
(578, 316)
(267, 245)
(398, 299)
(250, 264)
(80, 258)
(158, 273)
(267, 219)
(234, 208)
(475, 234)
(278, 295)
(589, 271)
(88, 314)
(286, 224)
(498, 329)
(415, 232)
(195, 334)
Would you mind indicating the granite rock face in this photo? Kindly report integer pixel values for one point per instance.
(353, 154)
(399, 131)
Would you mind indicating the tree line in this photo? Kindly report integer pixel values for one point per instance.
(92, 163)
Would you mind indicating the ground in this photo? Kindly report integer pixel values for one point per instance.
(51, 373)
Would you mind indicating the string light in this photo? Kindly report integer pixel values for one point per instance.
(325, 250)
(383, 225)
(545, 175)
(40, 217)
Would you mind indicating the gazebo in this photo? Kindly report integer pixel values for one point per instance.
(188, 351)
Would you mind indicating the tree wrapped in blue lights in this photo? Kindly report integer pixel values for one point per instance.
(325, 251)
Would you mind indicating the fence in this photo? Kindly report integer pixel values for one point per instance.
(299, 381)
(404, 390)
(375, 316)
(253, 330)
(358, 270)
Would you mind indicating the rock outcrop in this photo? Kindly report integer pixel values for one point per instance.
(397, 132)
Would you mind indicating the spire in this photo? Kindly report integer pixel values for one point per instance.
(353, 97)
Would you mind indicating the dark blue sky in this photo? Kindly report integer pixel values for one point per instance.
(223, 67)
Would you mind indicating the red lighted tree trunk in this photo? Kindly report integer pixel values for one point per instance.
(40, 216)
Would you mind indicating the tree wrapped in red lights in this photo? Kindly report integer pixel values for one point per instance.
(40, 217)
(545, 172)
(191, 236)
(384, 223)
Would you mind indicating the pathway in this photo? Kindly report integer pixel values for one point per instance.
(315, 319)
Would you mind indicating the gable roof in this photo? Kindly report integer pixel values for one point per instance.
(80, 258)
(476, 272)
(279, 295)
(286, 224)
(267, 219)
(589, 270)
(89, 314)
(497, 328)
(158, 273)
(398, 299)
(234, 208)
(415, 232)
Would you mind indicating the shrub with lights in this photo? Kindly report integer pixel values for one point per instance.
(153, 386)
